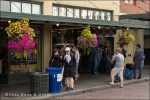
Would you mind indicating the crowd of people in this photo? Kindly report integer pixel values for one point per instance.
(68, 58)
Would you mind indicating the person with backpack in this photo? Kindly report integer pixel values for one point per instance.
(138, 57)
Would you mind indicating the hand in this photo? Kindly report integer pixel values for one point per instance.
(66, 56)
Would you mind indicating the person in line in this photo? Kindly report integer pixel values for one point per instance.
(69, 70)
(77, 56)
(137, 62)
(97, 56)
(104, 58)
(119, 67)
(123, 52)
(55, 59)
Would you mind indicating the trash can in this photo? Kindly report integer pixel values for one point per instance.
(39, 83)
(55, 77)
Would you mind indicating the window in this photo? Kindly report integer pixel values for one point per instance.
(5, 6)
(26, 8)
(36, 9)
(15, 7)
(126, 1)
(129, 1)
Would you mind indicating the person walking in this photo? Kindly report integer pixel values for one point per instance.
(104, 58)
(119, 67)
(77, 56)
(69, 70)
(138, 57)
(123, 52)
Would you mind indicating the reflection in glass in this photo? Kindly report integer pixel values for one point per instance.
(36, 9)
(15, 7)
(5, 6)
(26, 8)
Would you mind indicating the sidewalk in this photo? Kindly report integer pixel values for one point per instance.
(86, 83)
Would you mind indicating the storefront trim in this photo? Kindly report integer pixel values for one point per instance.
(71, 20)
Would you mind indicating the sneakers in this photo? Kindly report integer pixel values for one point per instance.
(69, 89)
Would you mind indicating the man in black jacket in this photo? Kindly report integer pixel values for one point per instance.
(69, 69)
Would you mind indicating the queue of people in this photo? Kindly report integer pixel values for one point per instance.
(69, 58)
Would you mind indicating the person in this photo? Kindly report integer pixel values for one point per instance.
(104, 58)
(55, 59)
(69, 70)
(119, 67)
(77, 56)
(123, 52)
(137, 62)
(97, 56)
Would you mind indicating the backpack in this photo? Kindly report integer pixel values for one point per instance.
(141, 55)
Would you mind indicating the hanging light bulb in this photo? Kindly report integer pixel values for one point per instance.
(57, 24)
(9, 21)
(99, 27)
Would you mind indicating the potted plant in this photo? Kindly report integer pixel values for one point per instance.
(20, 37)
(126, 38)
(86, 40)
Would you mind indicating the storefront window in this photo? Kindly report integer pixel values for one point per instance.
(15, 7)
(26, 8)
(5, 6)
(36, 9)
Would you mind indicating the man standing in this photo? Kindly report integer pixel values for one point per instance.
(119, 67)
(138, 57)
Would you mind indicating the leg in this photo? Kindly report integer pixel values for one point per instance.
(134, 71)
(71, 82)
(95, 65)
(112, 79)
(67, 81)
(140, 70)
(121, 78)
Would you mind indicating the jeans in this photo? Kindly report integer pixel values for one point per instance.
(137, 65)
(96, 64)
(117, 78)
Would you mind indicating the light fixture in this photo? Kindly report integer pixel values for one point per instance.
(127, 28)
(57, 24)
(99, 27)
(9, 21)
(59, 32)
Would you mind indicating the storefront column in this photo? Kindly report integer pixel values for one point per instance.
(47, 47)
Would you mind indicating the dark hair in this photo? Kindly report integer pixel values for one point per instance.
(138, 45)
(55, 50)
(105, 47)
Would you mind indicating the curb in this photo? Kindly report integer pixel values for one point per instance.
(75, 92)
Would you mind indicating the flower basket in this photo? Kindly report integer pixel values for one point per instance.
(86, 40)
(126, 38)
(20, 37)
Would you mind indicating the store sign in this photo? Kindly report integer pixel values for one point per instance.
(82, 13)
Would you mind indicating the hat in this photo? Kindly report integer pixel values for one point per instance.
(67, 49)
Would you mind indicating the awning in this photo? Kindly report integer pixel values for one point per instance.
(46, 18)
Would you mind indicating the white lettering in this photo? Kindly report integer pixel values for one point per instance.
(55, 11)
(76, 13)
(96, 15)
(84, 14)
(103, 15)
(69, 12)
(62, 12)
(108, 16)
(90, 14)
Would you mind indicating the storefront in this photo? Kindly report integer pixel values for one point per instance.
(47, 34)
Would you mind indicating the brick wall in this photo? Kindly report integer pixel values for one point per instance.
(132, 8)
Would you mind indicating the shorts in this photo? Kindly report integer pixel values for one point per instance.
(69, 72)
(76, 66)
(118, 71)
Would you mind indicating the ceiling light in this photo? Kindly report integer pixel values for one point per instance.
(9, 21)
(127, 28)
(99, 27)
(57, 24)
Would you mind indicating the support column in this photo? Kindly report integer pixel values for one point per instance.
(47, 47)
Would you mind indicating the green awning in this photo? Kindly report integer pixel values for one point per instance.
(70, 20)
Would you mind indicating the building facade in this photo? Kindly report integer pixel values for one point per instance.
(72, 17)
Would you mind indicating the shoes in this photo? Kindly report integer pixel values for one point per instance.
(139, 78)
(134, 77)
(120, 86)
(67, 89)
(111, 84)
(71, 89)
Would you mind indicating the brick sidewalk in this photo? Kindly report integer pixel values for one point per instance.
(86, 83)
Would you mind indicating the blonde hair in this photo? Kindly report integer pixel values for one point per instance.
(118, 50)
